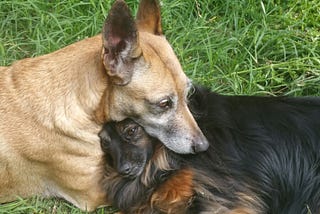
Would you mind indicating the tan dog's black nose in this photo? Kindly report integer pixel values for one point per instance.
(200, 144)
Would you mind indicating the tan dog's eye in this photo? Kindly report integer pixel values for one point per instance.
(165, 103)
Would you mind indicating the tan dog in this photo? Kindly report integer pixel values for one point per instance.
(52, 107)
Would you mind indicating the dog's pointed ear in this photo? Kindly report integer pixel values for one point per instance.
(120, 43)
(149, 17)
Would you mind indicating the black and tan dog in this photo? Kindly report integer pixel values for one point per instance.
(264, 157)
(53, 106)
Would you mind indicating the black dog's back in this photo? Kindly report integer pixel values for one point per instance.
(270, 145)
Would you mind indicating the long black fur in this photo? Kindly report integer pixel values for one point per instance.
(263, 147)
(269, 144)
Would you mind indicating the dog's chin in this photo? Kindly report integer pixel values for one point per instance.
(186, 145)
(179, 147)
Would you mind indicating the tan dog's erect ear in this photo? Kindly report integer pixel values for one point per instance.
(149, 17)
(120, 41)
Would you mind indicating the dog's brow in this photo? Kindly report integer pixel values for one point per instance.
(157, 100)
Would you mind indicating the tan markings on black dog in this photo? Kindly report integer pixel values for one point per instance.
(52, 107)
(174, 195)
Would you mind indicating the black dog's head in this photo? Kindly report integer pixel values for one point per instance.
(128, 146)
(136, 163)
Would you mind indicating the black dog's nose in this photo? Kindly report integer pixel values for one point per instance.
(125, 169)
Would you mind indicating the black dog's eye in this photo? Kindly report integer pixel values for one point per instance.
(130, 132)
(165, 103)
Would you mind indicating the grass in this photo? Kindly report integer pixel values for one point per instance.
(232, 46)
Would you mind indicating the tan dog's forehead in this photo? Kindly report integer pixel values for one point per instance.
(162, 65)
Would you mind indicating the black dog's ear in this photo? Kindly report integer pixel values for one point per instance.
(120, 41)
(109, 132)
(104, 135)
(104, 141)
(197, 101)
